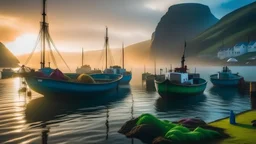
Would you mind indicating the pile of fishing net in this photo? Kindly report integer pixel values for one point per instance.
(85, 78)
(149, 129)
(58, 75)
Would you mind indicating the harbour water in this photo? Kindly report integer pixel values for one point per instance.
(35, 119)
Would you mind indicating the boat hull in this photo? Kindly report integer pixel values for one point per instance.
(234, 82)
(5, 75)
(126, 79)
(167, 89)
(50, 87)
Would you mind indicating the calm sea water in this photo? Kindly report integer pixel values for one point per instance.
(35, 119)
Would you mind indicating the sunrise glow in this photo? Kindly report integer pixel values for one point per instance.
(23, 44)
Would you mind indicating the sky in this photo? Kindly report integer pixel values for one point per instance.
(81, 23)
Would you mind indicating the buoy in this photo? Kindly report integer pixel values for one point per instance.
(232, 118)
(29, 93)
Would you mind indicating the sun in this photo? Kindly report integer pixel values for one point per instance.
(23, 44)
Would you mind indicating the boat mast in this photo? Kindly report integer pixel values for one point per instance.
(106, 46)
(123, 54)
(44, 25)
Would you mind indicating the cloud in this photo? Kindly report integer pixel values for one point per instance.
(81, 23)
(9, 29)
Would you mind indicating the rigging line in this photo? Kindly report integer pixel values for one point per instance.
(50, 48)
(36, 44)
(51, 53)
(121, 58)
(112, 62)
(57, 50)
(101, 57)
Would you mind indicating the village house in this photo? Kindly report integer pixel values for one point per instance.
(221, 53)
(240, 48)
(252, 46)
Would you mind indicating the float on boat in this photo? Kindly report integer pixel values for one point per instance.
(226, 78)
(127, 75)
(48, 81)
(180, 82)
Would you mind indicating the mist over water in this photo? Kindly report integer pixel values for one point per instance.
(35, 119)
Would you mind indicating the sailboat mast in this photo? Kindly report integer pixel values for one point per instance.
(123, 54)
(106, 45)
(44, 34)
(82, 56)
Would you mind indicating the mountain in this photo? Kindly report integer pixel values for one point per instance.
(7, 59)
(181, 22)
(237, 26)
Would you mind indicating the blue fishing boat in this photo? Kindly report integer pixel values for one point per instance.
(7, 73)
(127, 75)
(226, 78)
(50, 82)
(52, 87)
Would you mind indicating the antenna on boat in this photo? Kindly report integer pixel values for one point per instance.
(106, 46)
(171, 67)
(123, 53)
(183, 57)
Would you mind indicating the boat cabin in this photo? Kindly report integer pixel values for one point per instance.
(225, 74)
(115, 70)
(47, 70)
(178, 77)
(84, 69)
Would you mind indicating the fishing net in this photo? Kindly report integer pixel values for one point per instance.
(151, 120)
(176, 132)
(58, 75)
(84, 78)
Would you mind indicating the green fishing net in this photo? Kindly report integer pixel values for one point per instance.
(176, 132)
(151, 120)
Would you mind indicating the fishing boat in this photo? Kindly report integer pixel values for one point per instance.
(51, 87)
(180, 82)
(86, 68)
(127, 75)
(226, 78)
(7, 73)
(50, 82)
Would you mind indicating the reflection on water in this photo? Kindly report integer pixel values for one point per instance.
(226, 94)
(37, 119)
(184, 104)
(51, 111)
(45, 109)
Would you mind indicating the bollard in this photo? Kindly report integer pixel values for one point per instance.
(232, 118)
(253, 95)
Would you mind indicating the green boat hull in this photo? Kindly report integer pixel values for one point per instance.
(168, 89)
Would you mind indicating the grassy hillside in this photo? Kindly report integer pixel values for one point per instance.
(238, 26)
